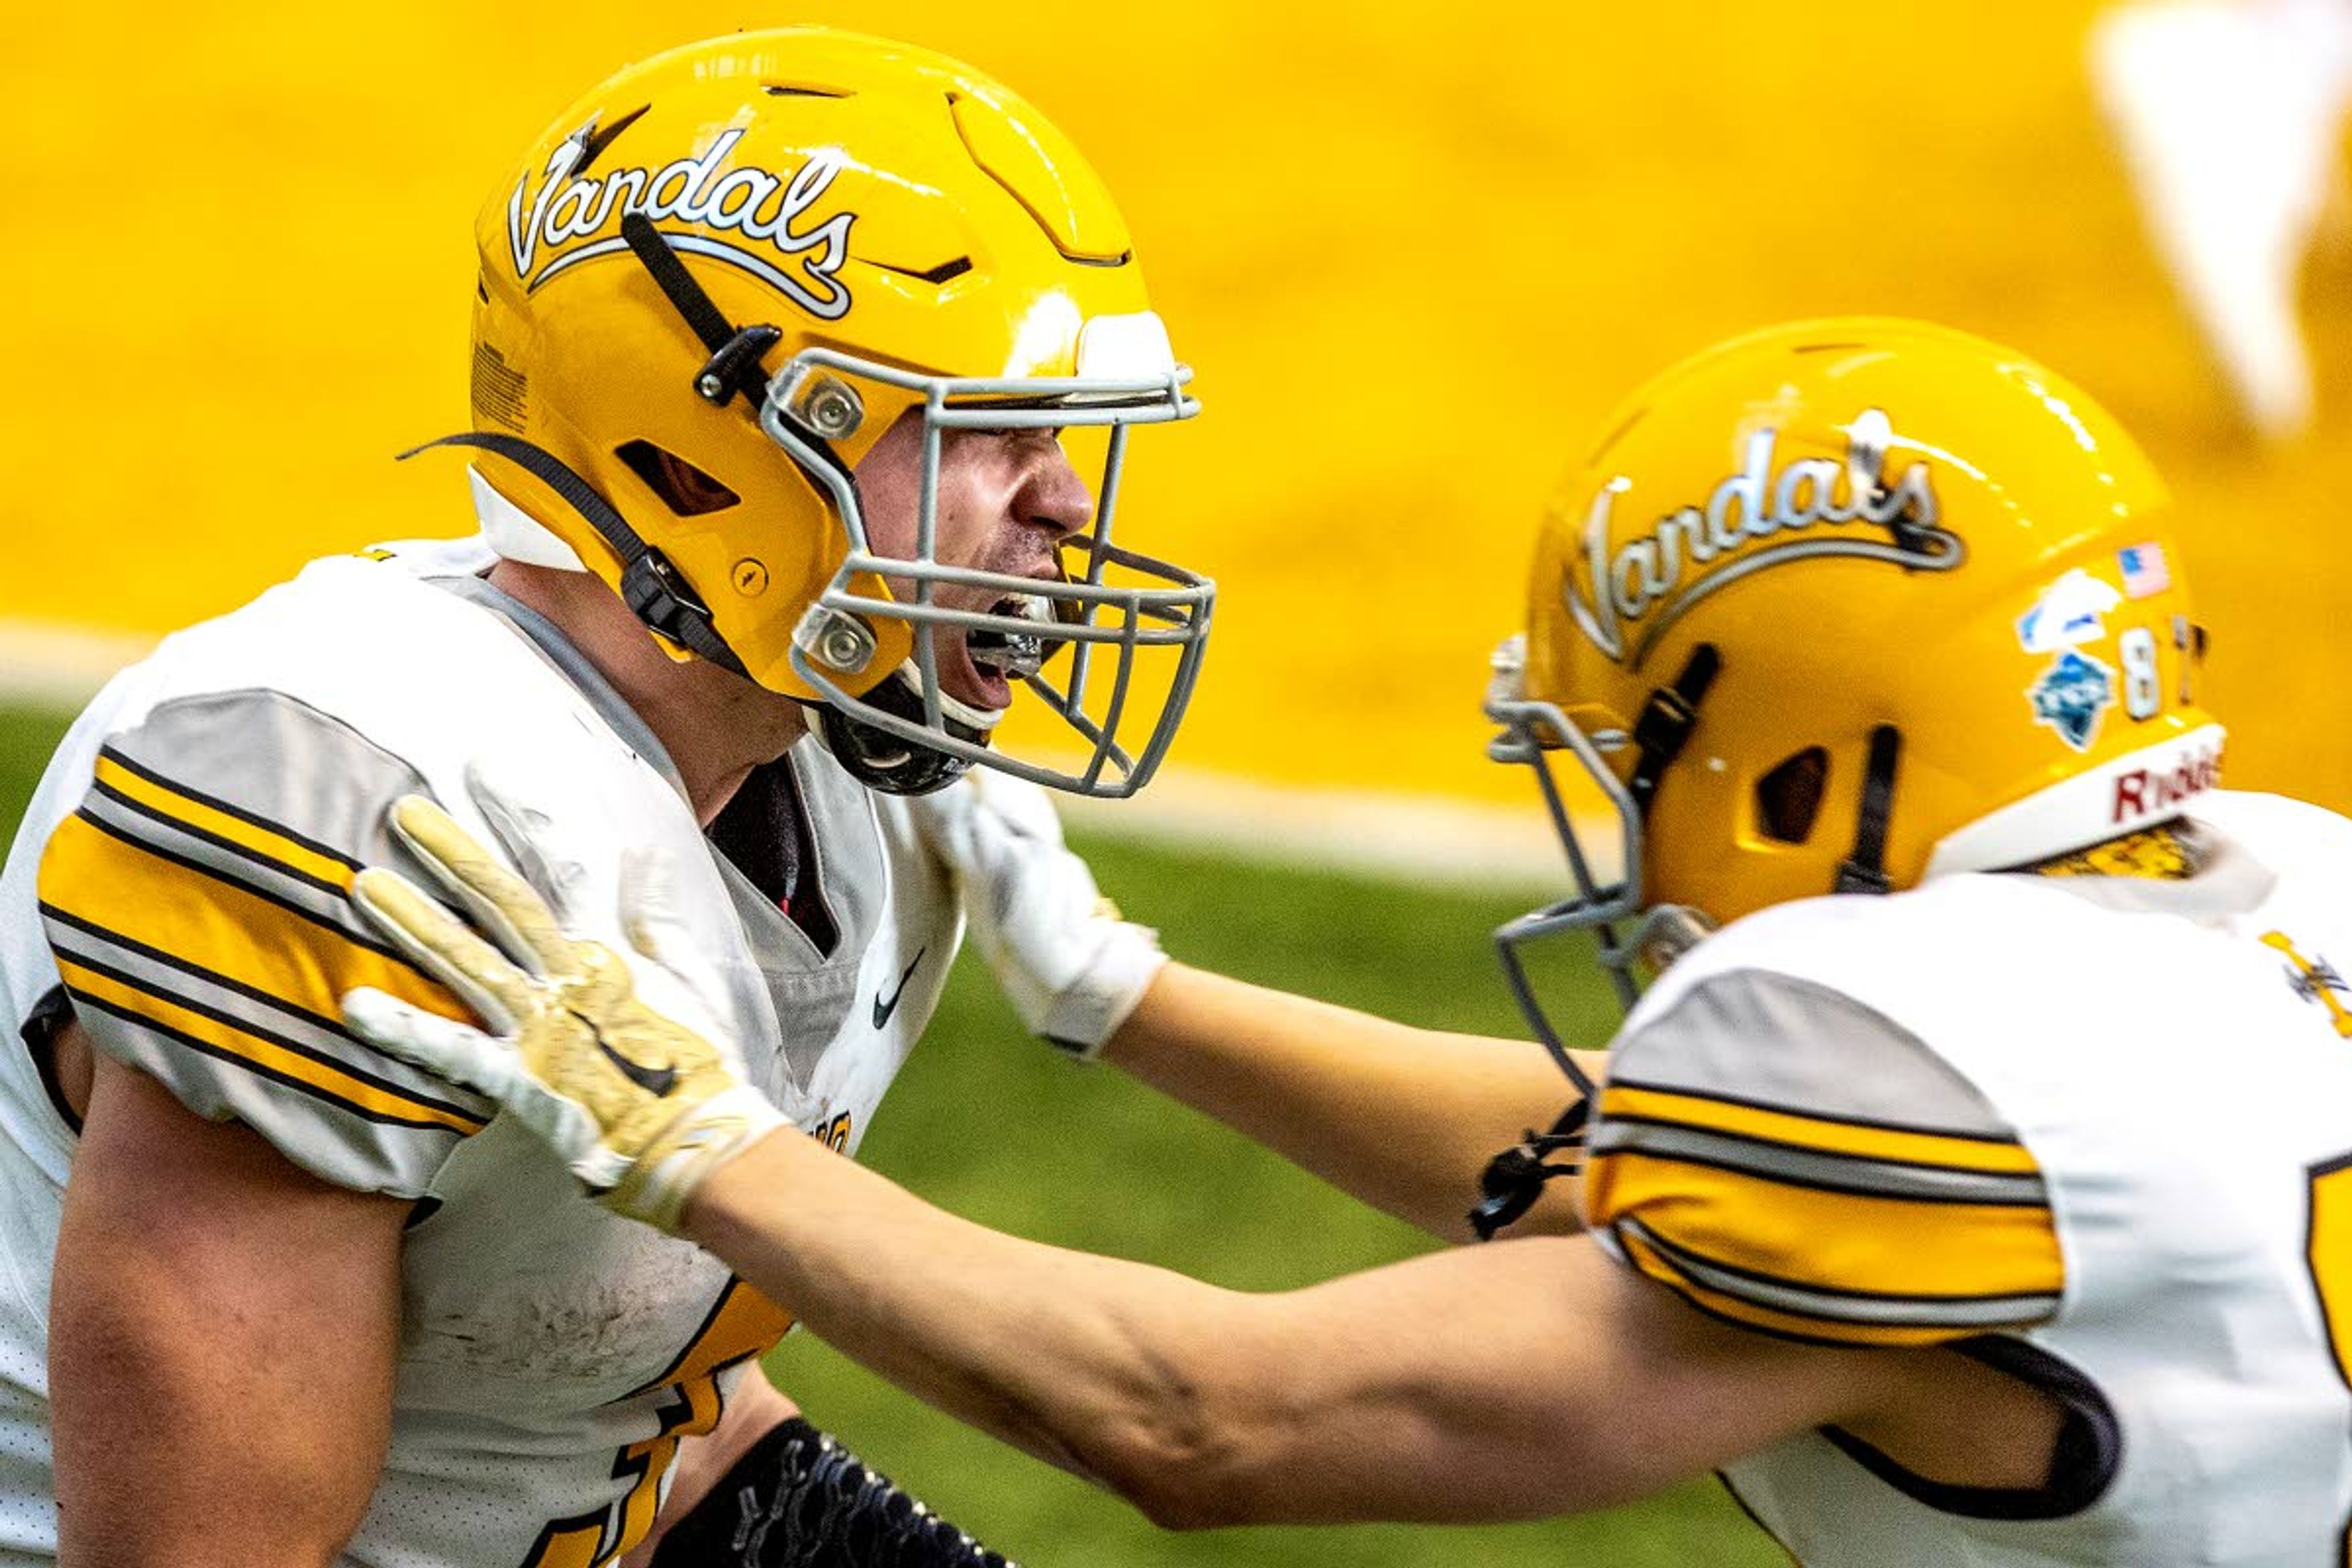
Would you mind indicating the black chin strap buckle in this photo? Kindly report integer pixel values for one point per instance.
(653, 589)
(1516, 1178)
(1666, 722)
(736, 366)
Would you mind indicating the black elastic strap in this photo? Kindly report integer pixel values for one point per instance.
(735, 351)
(48, 1019)
(799, 1499)
(1667, 722)
(2083, 1459)
(650, 585)
(1514, 1179)
(1865, 870)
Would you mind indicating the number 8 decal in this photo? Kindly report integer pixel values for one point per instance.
(2143, 690)
(2329, 1251)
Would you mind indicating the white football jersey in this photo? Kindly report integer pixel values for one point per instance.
(181, 883)
(2096, 1131)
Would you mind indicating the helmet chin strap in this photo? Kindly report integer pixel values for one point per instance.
(1865, 870)
(880, 760)
(657, 592)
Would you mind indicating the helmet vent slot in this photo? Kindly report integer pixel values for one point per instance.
(1788, 798)
(683, 488)
(804, 90)
(946, 271)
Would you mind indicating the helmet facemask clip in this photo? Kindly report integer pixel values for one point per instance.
(734, 366)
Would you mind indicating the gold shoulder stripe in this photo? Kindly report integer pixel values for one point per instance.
(1822, 1134)
(274, 1059)
(184, 914)
(1791, 1325)
(211, 819)
(1830, 1240)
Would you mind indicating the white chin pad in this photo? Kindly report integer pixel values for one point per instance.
(964, 713)
(950, 708)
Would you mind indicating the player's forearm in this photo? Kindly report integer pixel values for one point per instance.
(1474, 1383)
(1403, 1119)
(1105, 1368)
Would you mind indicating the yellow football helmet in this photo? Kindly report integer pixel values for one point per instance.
(1835, 607)
(709, 288)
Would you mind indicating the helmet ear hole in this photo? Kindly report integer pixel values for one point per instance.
(683, 488)
(1789, 797)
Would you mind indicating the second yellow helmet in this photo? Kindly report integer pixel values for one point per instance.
(1846, 604)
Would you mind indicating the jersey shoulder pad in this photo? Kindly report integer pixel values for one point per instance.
(197, 904)
(1785, 1157)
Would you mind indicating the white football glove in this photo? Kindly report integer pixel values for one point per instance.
(1071, 967)
(641, 1105)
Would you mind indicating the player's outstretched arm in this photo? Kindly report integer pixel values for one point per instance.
(1403, 1119)
(1530, 1378)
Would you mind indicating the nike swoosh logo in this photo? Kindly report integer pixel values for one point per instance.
(884, 1007)
(658, 1083)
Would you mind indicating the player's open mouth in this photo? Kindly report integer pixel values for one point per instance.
(992, 661)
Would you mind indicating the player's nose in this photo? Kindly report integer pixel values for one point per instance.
(1052, 495)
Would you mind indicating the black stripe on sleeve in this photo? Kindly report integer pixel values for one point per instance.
(1758, 1141)
(178, 824)
(351, 932)
(1682, 1254)
(333, 1025)
(260, 1070)
(247, 1026)
(1778, 1179)
(1806, 1112)
(228, 809)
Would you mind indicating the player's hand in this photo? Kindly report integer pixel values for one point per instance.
(1072, 968)
(641, 1105)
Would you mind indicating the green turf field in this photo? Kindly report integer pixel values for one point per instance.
(990, 1125)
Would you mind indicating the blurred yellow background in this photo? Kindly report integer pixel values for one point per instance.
(1415, 253)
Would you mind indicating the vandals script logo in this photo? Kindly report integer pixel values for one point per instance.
(1629, 598)
(2071, 696)
(761, 207)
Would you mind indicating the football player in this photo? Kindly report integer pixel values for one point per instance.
(776, 341)
(1971, 1183)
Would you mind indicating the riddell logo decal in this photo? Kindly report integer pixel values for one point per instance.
(755, 204)
(1630, 597)
(2148, 791)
